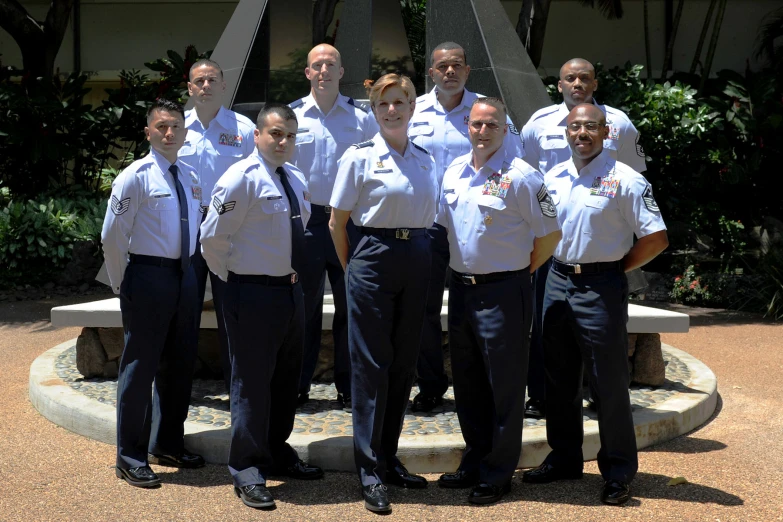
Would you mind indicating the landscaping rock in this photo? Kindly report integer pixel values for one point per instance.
(90, 357)
(113, 341)
(648, 364)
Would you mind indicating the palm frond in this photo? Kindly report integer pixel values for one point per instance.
(611, 9)
(771, 30)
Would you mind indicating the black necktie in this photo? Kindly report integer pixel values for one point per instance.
(184, 238)
(298, 249)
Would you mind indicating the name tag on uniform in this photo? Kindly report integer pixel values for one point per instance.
(269, 198)
(196, 192)
(383, 171)
(302, 131)
(555, 137)
(605, 186)
(158, 196)
(448, 191)
(417, 123)
(230, 140)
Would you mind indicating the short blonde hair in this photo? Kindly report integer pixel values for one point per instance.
(376, 89)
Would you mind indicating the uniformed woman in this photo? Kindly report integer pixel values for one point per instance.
(388, 188)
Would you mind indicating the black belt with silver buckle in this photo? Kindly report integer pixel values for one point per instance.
(326, 209)
(396, 233)
(480, 279)
(164, 262)
(286, 280)
(586, 268)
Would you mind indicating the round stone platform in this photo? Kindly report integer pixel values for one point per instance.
(322, 431)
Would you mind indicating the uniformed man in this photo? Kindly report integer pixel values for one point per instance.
(440, 125)
(601, 203)
(253, 238)
(217, 138)
(148, 236)
(546, 146)
(329, 123)
(501, 226)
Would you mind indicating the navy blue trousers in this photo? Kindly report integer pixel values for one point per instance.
(432, 377)
(159, 317)
(488, 338)
(536, 377)
(322, 261)
(265, 326)
(386, 282)
(585, 319)
(218, 289)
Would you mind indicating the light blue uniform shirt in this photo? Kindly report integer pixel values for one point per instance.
(248, 226)
(494, 214)
(445, 134)
(385, 190)
(600, 208)
(322, 139)
(143, 214)
(211, 151)
(545, 142)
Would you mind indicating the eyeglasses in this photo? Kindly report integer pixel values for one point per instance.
(477, 125)
(590, 126)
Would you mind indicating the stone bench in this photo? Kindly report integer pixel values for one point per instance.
(100, 344)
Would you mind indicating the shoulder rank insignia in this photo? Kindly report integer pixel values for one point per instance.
(203, 209)
(297, 103)
(512, 129)
(545, 202)
(221, 207)
(364, 144)
(639, 148)
(119, 207)
(649, 200)
(359, 105)
(425, 151)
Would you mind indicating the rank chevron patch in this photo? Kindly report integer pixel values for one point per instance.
(221, 207)
(545, 202)
(119, 207)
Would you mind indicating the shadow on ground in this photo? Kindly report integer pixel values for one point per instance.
(341, 487)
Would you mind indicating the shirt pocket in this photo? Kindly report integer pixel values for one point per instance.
(187, 151)
(305, 138)
(422, 135)
(275, 213)
(166, 210)
(490, 209)
(553, 142)
(598, 214)
(349, 136)
(226, 156)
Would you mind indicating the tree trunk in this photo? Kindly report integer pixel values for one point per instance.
(647, 41)
(323, 13)
(531, 27)
(702, 36)
(705, 73)
(667, 62)
(38, 41)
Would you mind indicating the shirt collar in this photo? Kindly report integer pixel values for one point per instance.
(308, 102)
(563, 110)
(222, 117)
(431, 100)
(383, 148)
(600, 165)
(162, 163)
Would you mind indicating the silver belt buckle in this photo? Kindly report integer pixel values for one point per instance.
(294, 278)
(577, 268)
(327, 209)
(402, 233)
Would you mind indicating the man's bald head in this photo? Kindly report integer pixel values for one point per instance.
(577, 82)
(586, 131)
(324, 49)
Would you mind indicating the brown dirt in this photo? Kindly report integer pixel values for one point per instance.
(733, 464)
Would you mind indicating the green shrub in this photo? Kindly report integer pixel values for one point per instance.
(37, 236)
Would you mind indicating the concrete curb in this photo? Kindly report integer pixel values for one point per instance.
(68, 408)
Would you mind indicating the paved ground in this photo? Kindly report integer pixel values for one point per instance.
(734, 464)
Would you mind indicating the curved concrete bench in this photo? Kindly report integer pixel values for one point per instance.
(106, 314)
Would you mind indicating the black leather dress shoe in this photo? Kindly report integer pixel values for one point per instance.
(183, 460)
(426, 403)
(375, 498)
(142, 477)
(615, 493)
(302, 398)
(548, 473)
(302, 471)
(535, 409)
(345, 401)
(458, 479)
(487, 493)
(255, 496)
(399, 476)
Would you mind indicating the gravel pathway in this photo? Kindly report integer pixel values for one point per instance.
(734, 463)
